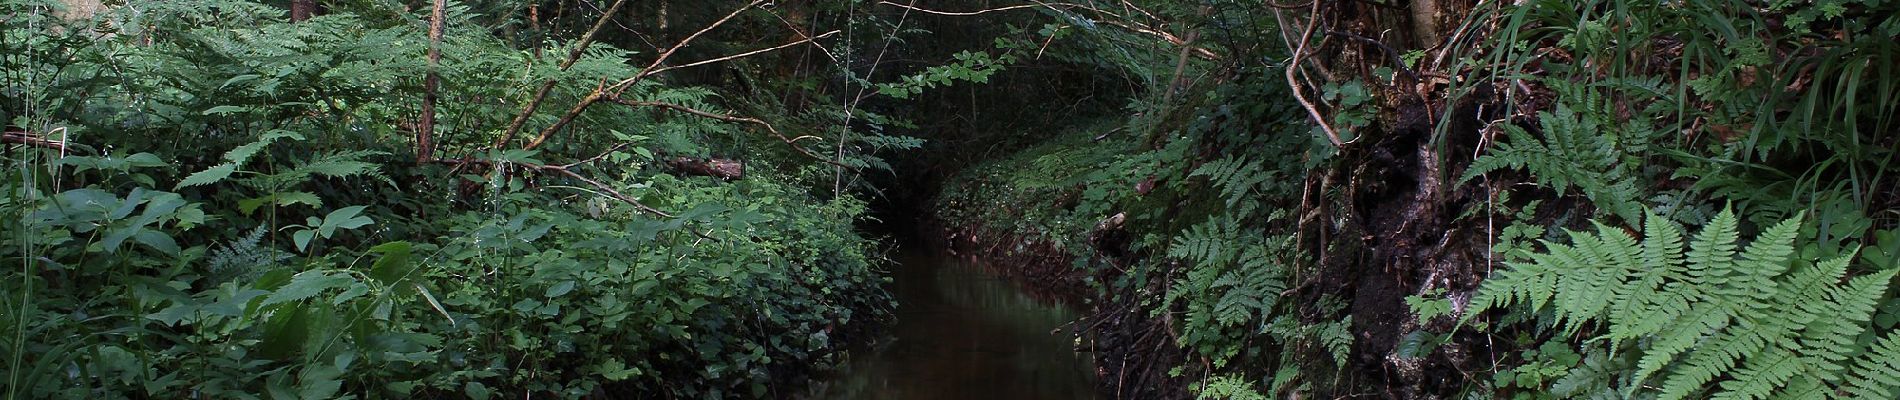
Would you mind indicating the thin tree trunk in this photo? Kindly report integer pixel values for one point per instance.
(301, 10)
(425, 141)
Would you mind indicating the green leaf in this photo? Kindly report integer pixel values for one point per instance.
(560, 289)
(344, 218)
(393, 267)
(302, 238)
(307, 284)
(238, 79)
(208, 176)
(224, 110)
(477, 391)
(250, 205)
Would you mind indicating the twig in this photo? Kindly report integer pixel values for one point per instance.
(731, 118)
(960, 14)
(610, 191)
(1293, 83)
(597, 157)
(601, 93)
(649, 70)
(547, 86)
(1170, 38)
(564, 171)
(1397, 61)
(746, 54)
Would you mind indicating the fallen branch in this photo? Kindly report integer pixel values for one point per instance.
(28, 138)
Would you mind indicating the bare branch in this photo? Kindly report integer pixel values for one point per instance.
(1293, 67)
(28, 138)
(611, 192)
(564, 171)
(618, 87)
(626, 83)
(1137, 28)
(959, 14)
(597, 157)
(730, 118)
(745, 54)
(548, 86)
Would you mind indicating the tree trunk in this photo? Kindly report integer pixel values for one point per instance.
(301, 10)
(425, 141)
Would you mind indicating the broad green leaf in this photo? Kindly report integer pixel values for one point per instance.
(560, 289)
(302, 238)
(394, 265)
(224, 110)
(344, 218)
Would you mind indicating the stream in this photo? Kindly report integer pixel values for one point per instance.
(964, 333)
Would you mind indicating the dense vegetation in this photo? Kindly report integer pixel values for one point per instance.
(662, 199)
(220, 202)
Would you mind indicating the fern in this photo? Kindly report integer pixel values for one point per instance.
(1237, 178)
(1575, 152)
(1877, 373)
(1716, 322)
(1233, 281)
(244, 259)
(1228, 387)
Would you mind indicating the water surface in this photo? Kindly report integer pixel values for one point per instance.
(963, 333)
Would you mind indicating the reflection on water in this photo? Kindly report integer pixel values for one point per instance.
(965, 334)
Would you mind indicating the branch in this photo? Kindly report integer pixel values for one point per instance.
(1170, 38)
(548, 86)
(609, 190)
(793, 143)
(27, 138)
(745, 54)
(597, 157)
(649, 70)
(959, 14)
(564, 171)
(601, 93)
(1294, 66)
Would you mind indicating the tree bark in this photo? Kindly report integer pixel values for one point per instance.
(425, 140)
(301, 10)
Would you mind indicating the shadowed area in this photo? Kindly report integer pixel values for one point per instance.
(963, 333)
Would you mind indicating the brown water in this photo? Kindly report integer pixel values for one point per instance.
(963, 333)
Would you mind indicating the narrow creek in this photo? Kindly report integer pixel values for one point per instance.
(964, 333)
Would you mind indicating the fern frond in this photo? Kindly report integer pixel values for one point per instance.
(1877, 372)
(1720, 321)
(1574, 152)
